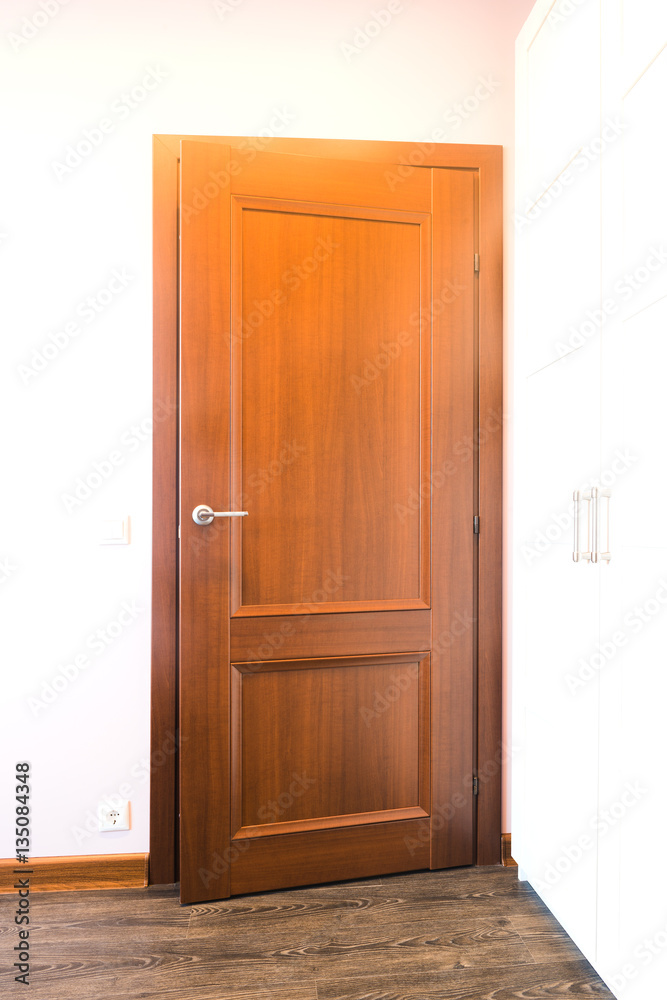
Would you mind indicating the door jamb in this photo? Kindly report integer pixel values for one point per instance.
(486, 161)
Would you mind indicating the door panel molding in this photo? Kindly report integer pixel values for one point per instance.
(482, 164)
(394, 704)
(262, 358)
(330, 822)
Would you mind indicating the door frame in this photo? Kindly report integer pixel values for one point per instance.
(400, 157)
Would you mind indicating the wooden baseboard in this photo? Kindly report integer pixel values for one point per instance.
(506, 850)
(77, 873)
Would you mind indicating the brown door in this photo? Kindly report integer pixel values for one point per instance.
(327, 636)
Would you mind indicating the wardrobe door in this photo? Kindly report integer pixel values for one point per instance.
(557, 169)
(633, 940)
(557, 632)
(557, 365)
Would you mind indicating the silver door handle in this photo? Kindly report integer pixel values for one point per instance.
(203, 514)
(598, 495)
(595, 495)
(592, 498)
(578, 554)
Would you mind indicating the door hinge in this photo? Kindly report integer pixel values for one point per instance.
(475, 524)
(475, 786)
(476, 263)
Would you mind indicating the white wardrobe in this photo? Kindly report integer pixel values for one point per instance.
(589, 626)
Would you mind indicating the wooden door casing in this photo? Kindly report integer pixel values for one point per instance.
(356, 637)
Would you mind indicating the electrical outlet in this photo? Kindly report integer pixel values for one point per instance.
(114, 817)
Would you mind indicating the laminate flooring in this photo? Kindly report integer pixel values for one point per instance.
(447, 935)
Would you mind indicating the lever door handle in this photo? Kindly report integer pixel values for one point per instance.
(203, 514)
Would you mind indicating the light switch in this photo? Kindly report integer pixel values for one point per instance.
(115, 531)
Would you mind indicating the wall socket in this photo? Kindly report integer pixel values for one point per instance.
(114, 817)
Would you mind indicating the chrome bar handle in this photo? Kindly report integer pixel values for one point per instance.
(578, 554)
(595, 495)
(606, 495)
(203, 514)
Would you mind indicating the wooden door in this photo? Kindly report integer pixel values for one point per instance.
(328, 637)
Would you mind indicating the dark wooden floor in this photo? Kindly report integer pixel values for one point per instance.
(452, 935)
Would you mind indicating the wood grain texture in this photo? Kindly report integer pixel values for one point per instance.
(77, 873)
(290, 174)
(506, 851)
(447, 935)
(485, 163)
(343, 635)
(366, 760)
(460, 156)
(348, 527)
(491, 754)
(164, 592)
(296, 858)
(452, 497)
(322, 349)
(205, 463)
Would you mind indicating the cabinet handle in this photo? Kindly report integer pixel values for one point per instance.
(597, 495)
(604, 495)
(592, 498)
(578, 497)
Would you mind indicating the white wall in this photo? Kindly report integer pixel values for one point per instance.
(70, 230)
